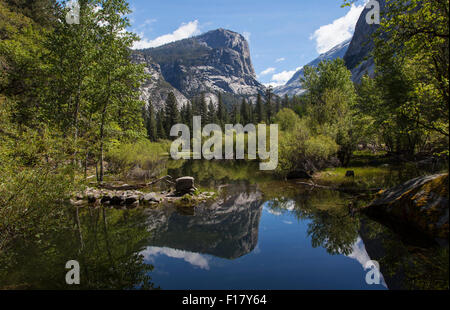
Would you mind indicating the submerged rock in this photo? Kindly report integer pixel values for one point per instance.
(421, 203)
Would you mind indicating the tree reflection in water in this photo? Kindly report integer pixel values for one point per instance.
(106, 243)
(111, 244)
(330, 225)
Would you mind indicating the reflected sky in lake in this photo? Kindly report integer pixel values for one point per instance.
(259, 233)
(282, 258)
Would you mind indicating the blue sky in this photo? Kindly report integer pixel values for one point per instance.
(283, 35)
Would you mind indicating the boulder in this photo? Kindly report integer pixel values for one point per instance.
(117, 200)
(129, 200)
(350, 173)
(106, 199)
(184, 185)
(133, 205)
(420, 203)
(151, 197)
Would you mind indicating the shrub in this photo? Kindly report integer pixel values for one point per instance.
(142, 154)
(301, 151)
(286, 119)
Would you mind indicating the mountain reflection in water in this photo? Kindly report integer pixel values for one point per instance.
(227, 228)
(258, 233)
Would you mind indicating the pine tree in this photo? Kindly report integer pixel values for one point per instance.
(195, 107)
(172, 113)
(188, 115)
(285, 101)
(203, 108)
(212, 115)
(221, 111)
(278, 106)
(235, 117)
(259, 117)
(244, 112)
(160, 128)
(251, 112)
(268, 109)
(150, 122)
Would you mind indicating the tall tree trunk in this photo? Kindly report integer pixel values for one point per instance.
(75, 121)
(102, 134)
(86, 164)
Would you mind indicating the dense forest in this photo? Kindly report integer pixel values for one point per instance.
(69, 101)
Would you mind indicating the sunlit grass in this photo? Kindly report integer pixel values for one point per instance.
(365, 177)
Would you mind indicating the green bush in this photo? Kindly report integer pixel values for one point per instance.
(286, 119)
(143, 154)
(299, 150)
(36, 179)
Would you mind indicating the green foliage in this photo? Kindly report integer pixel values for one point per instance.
(142, 153)
(299, 150)
(34, 178)
(212, 116)
(68, 93)
(150, 122)
(326, 123)
(408, 99)
(331, 98)
(222, 114)
(269, 104)
(244, 113)
(172, 114)
(259, 110)
(286, 119)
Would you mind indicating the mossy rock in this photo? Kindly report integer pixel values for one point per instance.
(421, 203)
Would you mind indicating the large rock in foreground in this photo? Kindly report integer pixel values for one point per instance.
(184, 185)
(421, 203)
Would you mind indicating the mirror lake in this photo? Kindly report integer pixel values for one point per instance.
(258, 233)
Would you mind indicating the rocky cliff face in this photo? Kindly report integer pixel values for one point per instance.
(357, 58)
(156, 89)
(294, 85)
(217, 61)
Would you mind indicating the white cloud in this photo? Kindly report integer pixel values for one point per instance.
(360, 254)
(184, 31)
(281, 78)
(267, 71)
(148, 22)
(194, 259)
(273, 84)
(339, 30)
(280, 59)
(246, 35)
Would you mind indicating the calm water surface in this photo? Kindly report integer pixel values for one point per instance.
(258, 234)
